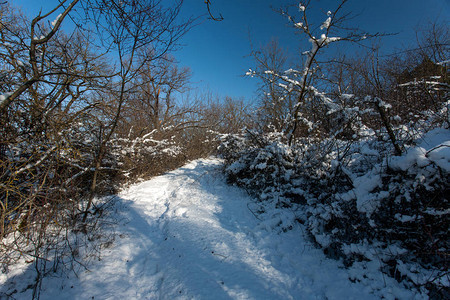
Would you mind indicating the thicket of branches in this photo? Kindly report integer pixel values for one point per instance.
(338, 143)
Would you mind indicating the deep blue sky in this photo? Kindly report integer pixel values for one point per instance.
(217, 52)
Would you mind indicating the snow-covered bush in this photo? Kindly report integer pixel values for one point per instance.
(357, 202)
(261, 163)
(357, 176)
(150, 154)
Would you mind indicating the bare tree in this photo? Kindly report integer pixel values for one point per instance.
(61, 103)
(153, 102)
(277, 102)
(301, 82)
(136, 33)
(38, 37)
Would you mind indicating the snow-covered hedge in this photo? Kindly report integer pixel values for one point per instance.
(146, 155)
(263, 164)
(357, 201)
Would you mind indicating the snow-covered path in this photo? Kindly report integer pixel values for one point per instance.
(191, 236)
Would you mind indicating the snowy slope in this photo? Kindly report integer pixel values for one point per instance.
(191, 236)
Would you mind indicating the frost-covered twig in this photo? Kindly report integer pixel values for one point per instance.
(36, 164)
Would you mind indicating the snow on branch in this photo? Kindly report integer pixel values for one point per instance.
(36, 164)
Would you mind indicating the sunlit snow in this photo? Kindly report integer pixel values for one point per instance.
(188, 235)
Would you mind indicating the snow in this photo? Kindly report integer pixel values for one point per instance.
(434, 138)
(326, 24)
(441, 156)
(56, 20)
(299, 25)
(364, 185)
(347, 96)
(250, 73)
(4, 96)
(404, 218)
(433, 147)
(189, 235)
(414, 155)
(434, 212)
(444, 63)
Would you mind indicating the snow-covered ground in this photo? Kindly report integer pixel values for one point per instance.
(189, 235)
